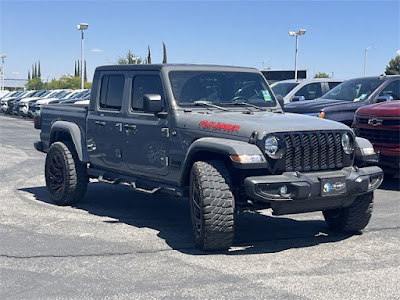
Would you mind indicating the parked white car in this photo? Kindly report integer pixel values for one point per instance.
(26, 102)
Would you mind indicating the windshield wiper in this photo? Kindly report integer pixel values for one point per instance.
(248, 104)
(209, 104)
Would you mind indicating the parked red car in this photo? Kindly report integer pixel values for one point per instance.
(380, 123)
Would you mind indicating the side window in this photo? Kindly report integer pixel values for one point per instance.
(145, 84)
(333, 84)
(310, 91)
(392, 89)
(111, 92)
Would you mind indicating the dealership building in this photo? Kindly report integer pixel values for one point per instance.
(14, 84)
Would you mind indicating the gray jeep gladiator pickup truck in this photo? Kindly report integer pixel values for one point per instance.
(215, 135)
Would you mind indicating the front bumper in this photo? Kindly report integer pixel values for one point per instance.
(305, 192)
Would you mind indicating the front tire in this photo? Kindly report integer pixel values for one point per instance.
(212, 205)
(353, 218)
(66, 176)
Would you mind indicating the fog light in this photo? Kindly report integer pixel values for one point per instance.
(283, 191)
(375, 181)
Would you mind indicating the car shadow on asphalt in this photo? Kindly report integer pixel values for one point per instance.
(391, 183)
(255, 232)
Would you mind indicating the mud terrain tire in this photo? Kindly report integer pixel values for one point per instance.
(212, 205)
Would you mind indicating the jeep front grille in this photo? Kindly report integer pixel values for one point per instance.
(313, 151)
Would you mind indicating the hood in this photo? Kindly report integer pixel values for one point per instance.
(388, 109)
(242, 125)
(312, 106)
(8, 99)
(30, 99)
(46, 100)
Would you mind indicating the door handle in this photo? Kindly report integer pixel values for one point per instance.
(102, 123)
(130, 127)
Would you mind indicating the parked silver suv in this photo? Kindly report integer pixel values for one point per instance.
(304, 89)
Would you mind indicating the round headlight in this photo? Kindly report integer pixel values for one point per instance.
(347, 143)
(272, 147)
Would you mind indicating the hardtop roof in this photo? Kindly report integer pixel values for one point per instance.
(186, 67)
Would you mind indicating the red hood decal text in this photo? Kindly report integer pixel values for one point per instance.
(216, 126)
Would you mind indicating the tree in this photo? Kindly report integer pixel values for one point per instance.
(321, 75)
(29, 75)
(33, 72)
(35, 84)
(39, 72)
(75, 71)
(65, 82)
(85, 74)
(129, 59)
(164, 61)
(148, 55)
(394, 66)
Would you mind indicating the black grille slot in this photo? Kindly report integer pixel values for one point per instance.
(307, 152)
(339, 150)
(289, 156)
(323, 151)
(297, 153)
(331, 150)
(313, 151)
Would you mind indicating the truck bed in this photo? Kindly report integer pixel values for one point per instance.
(60, 112)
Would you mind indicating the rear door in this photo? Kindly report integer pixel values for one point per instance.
(104, 123)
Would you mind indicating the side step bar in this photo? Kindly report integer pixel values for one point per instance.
(140, 185)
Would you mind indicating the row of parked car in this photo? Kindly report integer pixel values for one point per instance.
(366, 104)
(25, 103)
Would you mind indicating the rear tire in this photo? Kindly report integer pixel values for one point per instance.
(66, 176)
(212, 205)
(352, 218)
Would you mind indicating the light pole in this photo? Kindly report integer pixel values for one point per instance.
(82, 27)
(365, 59)
(2, 56)
(296, 34)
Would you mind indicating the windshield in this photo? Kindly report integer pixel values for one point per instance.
(38, 93)
(220, 88)
(79, 94)
(354, 89)
(283, 88)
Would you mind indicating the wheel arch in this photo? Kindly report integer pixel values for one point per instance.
(206, 149)
(62, 131)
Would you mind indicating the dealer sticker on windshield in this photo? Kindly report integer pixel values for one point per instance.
(333, 186)
(266, 95)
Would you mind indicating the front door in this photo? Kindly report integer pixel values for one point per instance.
(147, 136)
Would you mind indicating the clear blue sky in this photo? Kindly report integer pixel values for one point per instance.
(242, 33)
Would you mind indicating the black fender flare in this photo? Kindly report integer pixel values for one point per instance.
(76, 135)
(225, 147)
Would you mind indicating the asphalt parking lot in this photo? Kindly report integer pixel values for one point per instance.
(118, 244)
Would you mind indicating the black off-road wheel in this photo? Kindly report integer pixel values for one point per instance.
(66, 176)
(353, 218)
(212, 205)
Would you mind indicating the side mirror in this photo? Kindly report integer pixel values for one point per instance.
(152, 103)
(384, 98)
(298, 98)
(280, 100)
